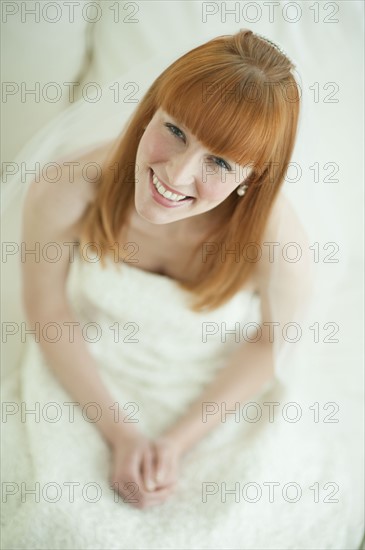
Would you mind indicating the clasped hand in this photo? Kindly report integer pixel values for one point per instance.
(144, 472)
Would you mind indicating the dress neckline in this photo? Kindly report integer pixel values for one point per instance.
(159, 278)
(120, 265)
(129, 267)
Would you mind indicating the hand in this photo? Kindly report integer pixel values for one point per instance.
(164, 469)
(133, 471)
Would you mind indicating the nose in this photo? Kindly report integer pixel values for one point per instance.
(184, 170)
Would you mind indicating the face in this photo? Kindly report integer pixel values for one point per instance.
(177, 177)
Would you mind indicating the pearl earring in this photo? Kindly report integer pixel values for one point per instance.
(241, 190)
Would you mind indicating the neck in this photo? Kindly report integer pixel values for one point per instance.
(193, 227)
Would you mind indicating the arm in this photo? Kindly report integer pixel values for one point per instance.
(284, 288)
(50, 214)
(248, 370)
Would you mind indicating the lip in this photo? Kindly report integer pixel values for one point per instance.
(162, 200)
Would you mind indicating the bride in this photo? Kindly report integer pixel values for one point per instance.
(179, 226)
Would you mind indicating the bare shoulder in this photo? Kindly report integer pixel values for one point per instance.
(282, 228)
(61, 196)
(284, 223)
(51, 215)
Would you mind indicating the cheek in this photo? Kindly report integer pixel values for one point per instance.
(214, 191)
(155, 147)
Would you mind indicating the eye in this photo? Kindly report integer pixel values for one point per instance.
(223, 165)
(179, 134)
(175, 130)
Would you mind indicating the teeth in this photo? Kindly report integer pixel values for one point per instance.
(164, 192)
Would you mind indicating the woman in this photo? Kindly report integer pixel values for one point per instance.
(162, 254)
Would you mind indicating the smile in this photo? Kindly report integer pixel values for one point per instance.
(166, 193)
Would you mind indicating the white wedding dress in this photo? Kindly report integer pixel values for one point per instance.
(254, 482)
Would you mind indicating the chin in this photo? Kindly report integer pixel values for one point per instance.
(149, 214)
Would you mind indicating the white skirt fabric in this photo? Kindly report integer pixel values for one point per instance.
(257, 481)
(285, 471)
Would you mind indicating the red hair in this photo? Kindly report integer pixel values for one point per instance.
(238, 96)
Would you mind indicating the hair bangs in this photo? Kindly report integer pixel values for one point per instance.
(230, 113)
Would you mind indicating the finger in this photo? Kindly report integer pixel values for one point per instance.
(163, 469)
(134, 494)
(157, 492)
(162, 463)
(147, 469)
(131, 471)
(152, 499)
(134, 467)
